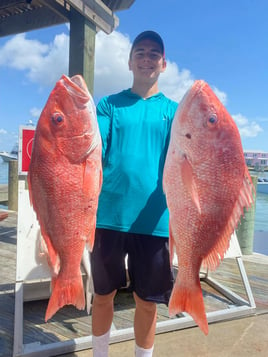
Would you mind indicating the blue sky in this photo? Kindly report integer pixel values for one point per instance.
(222, 42)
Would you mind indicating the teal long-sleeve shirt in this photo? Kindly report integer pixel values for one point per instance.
(135, 135)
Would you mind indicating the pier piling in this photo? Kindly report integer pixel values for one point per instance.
(245, 230)
(13, 185)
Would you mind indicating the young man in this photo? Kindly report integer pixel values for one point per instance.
(132, 214)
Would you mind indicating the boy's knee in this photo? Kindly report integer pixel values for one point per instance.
(148, 306)
(104, 299)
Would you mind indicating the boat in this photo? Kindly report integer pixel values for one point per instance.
(12, 155)
(262, 185)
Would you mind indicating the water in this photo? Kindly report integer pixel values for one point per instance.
(3, 171)
(261, 214)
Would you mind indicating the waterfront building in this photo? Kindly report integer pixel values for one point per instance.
(257, 160)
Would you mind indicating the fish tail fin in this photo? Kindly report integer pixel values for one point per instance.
(65, 292)
(190, 301)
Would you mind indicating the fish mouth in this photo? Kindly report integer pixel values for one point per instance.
(188, 98)
(192, 92)
(76, 87)
(198, 85)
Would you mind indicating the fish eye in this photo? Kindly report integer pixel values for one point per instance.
(57, 118)
(212, 120)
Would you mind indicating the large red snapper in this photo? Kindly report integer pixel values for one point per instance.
(65, 177)
(207, 186)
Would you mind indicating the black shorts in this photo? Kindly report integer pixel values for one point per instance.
(149, 269)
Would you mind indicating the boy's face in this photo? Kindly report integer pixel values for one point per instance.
(146, 60)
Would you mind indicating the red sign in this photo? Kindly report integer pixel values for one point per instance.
(26, 144)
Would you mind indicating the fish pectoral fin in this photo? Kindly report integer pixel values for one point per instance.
(92, 180)
(190, 300)
(87, 177)
(189, 182)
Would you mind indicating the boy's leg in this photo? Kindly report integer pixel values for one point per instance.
(102, 313)
(144, 322)
(102, 318)
(108, 272)
(152, 281)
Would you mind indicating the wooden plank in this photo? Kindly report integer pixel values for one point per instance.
(96, 12)
(37, 18)
(82, 48)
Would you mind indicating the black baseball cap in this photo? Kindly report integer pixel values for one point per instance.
(151, 35)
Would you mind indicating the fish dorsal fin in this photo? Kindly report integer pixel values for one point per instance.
(244, 201)
(189, 182)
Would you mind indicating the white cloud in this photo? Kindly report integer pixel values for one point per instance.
(35, 112)
(174, 83)
(247, 129)
(43, 63)
(21, 53)
(111, 63)
(3, 132)
(54, 63)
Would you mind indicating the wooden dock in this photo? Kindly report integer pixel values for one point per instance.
(70, 323)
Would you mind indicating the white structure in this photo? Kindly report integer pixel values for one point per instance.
(256, 159)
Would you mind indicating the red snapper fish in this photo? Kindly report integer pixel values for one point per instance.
(65, 177)
(207, 187)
